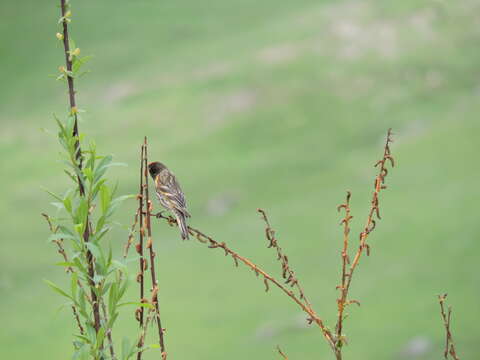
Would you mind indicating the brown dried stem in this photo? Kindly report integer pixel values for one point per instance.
(139, 248)
(446, 317)
(347, 274)
(213, 244)
(131, 234)
(108, 332)
(148, 205)
(282, 354)
(287, 273)
(68, 269)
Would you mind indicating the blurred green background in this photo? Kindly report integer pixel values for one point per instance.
(282, 105)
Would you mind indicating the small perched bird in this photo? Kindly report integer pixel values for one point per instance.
(170, 194)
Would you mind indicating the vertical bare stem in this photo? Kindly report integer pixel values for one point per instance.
(149, 246)
(347, 275)
(449, 345)
(345, 261)
(139, 248)
(109, 332)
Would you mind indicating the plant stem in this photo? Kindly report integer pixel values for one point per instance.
(78, 156)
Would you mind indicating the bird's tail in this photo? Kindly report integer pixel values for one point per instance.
(182, 225)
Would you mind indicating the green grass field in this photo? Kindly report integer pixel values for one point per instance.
(281, 105)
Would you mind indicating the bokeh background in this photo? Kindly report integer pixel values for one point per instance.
(282, 105)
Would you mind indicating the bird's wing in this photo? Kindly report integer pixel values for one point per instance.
(168, 187)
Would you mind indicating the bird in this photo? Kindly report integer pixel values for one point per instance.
(170, 195)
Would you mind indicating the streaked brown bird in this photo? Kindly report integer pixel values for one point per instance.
(170, 194)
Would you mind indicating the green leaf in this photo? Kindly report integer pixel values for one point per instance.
(112, 297)
(82, 212)
(145, 305)
(105, 198)
(97, 279)
(67, 203)
(100, 337)
(74, 285)
(88, 173)
(59, 235)
(57, 289)
(65, 263)
(53, 194)
(94, 250)
(102, 167)
(125, 348)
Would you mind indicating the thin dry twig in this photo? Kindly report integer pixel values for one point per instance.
(149, 245)
(68, 269)
(446, 317)
(139, 247)
(213, 244)
(347, 273)
(109, 332)
(282, 354)
(131, 233)
(287, 273)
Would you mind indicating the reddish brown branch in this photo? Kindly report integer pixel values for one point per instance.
(71, 89)
(139, 248)
(347, 274)
(446, 317)
(68, 269)
(341, 301)
(282, 354)
(287, 273)
(148, 205)
(213, 244)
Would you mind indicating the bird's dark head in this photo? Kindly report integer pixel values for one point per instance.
(154, 168)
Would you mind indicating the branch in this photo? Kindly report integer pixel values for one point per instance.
(68, 269)
(282, 354)
(148, 205)
(78, 155)
(139, 248)
(347, 275)
(267, 279)
(287, 273)
(446, 317)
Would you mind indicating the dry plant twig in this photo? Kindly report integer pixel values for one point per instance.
(213, 244)
(139, 248)
(282, 354)
(348, 268)
(446, 317)
(154, 301)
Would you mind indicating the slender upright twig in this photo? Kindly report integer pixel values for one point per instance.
(108, 332)
(139, 248)
(78, 155)
(154, 301)
(347, 275)
(446, 317)
(68, 269)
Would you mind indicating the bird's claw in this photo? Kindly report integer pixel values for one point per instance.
(159, 214)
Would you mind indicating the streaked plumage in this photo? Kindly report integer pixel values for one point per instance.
(170, 194)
